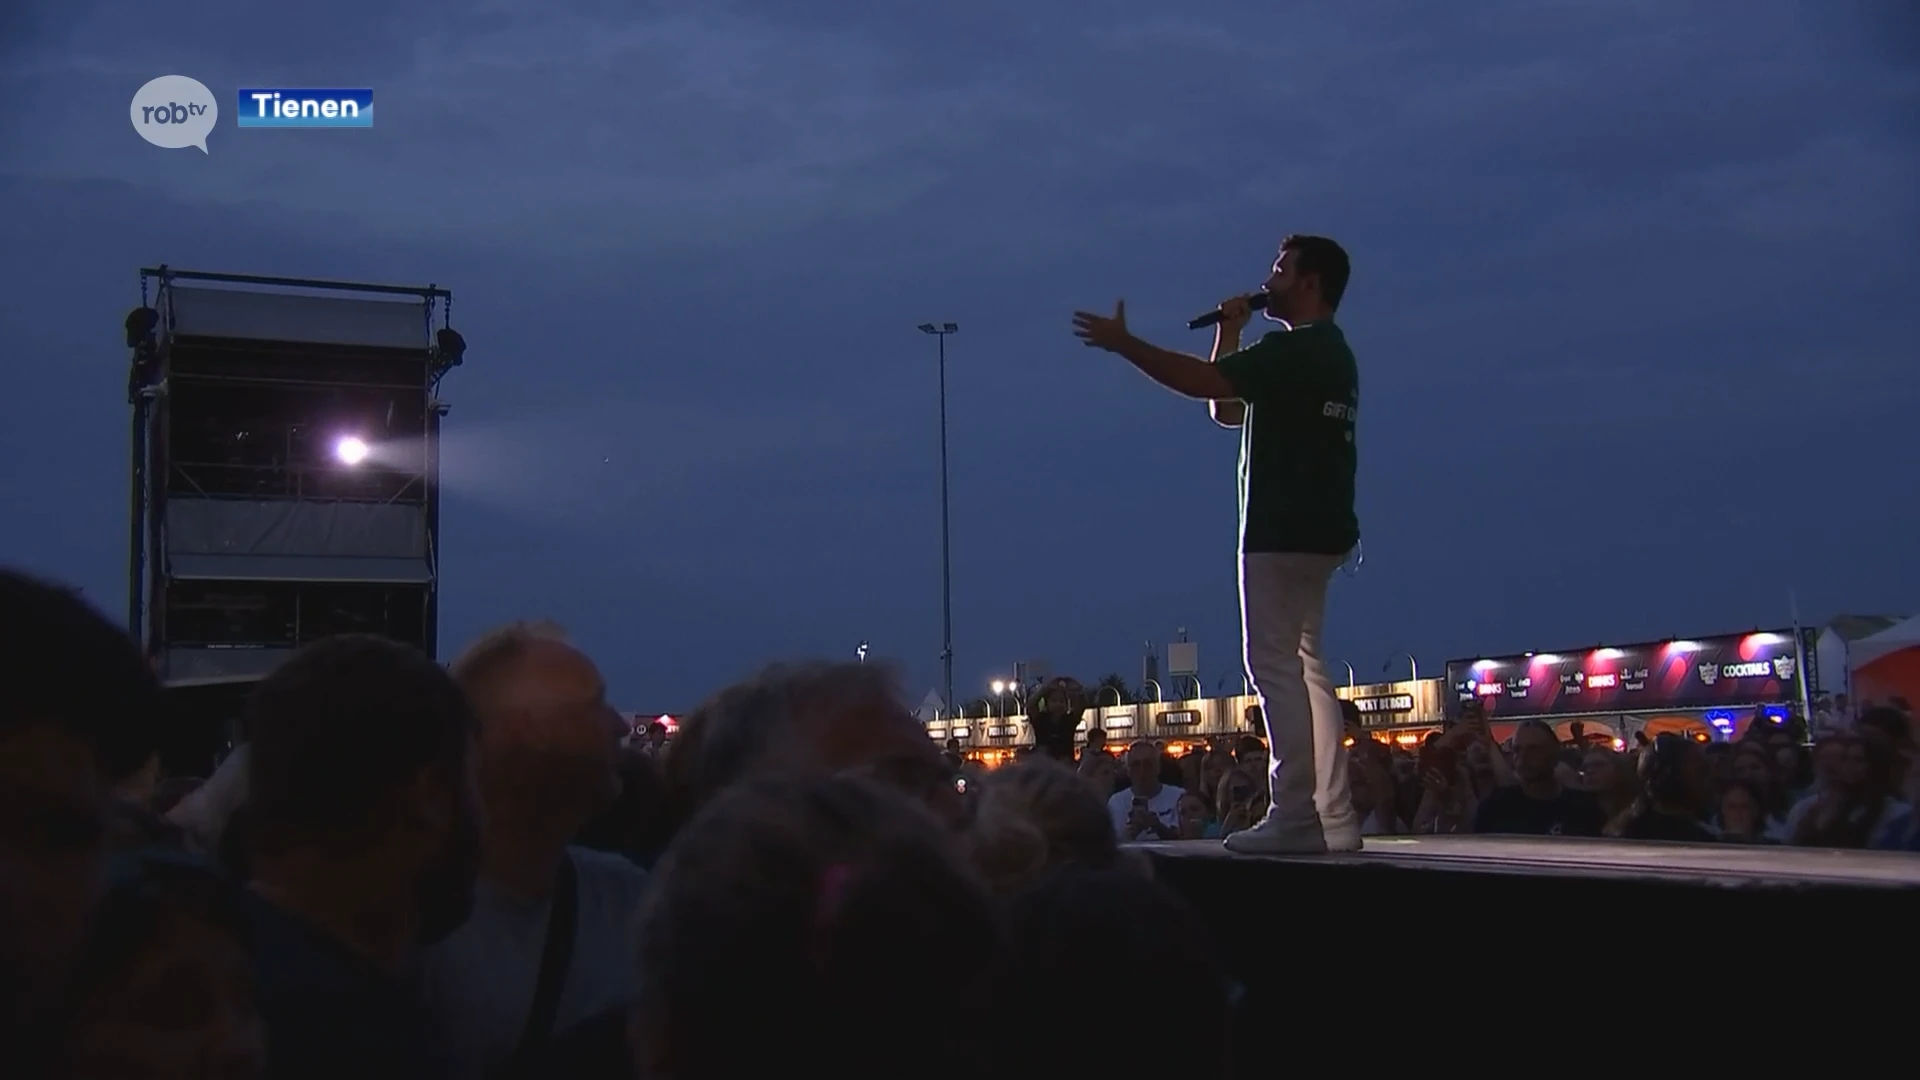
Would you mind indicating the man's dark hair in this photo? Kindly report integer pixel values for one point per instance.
(1893, 722)
(339, 731)
(63, 662)
(1325, 260)
(1540, 726)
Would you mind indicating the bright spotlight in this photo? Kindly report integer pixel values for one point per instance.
(350, 451)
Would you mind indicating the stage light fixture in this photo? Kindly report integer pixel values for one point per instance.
(141, 323)
(350, 450)
(453, 347)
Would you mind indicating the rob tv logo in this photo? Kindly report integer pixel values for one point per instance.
(174, 112)
(280, 107)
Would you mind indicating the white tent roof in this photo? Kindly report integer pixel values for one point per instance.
(1901, 635)
(931, 708)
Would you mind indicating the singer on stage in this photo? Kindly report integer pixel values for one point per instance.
(1294, 395)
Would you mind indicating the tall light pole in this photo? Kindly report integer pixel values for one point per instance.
(1387, 668)
(946, 531)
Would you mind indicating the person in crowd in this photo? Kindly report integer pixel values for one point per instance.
(1890, 729)
(1102, 774)
(1101, 764)
(816, 717)
(364, 835)
(1487, 766)
(1147, 809)
(1036, 817)
(1794, 770)
(1610, 777)
(1081, 939)
(132, 822)
(204, 814)
(80, 703)
(1057, 710)
(1676, 790)
(1854, 803)
(1741, 816)
(824, 921)
(1240, 799)
(165, 990)
(655, 744)
(1172, 766)
(542, 972)
(1250, 753)
(1215, 763)
(1373, 792)
(1902, 829)
(1536, 803)
(1719, 763)
(1197, 819)
(1096, 744)
(637, 826)
(1754, 765)
(1578, 742)
(1448, 799)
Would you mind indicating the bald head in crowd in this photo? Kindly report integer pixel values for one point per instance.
(815, 718)
(549, 741)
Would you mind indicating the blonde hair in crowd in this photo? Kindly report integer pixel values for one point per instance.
(1038, 816)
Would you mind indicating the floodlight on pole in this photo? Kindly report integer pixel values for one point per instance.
(946, 530)
(351, 450)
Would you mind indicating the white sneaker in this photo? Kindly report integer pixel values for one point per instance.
(1275, 837)
(1342, 838)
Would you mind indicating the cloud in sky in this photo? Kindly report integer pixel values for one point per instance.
(1631, 281)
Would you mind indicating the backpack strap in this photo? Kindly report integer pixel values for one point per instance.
(556, 959)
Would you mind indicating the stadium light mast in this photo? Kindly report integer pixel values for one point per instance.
(946, 528)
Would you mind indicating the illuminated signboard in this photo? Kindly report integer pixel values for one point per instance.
(1731, 670)
(1180, 718)
(1392, 703)
(1406, 703)
(640, 722)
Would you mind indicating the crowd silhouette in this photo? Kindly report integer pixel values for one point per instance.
(474, 870)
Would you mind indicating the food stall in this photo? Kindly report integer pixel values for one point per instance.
(1399, 713)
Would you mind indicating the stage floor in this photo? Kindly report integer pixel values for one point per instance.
(1731, 865)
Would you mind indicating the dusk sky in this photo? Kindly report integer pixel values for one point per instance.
(1634, 301)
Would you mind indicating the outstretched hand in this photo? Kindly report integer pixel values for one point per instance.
(1102, 331)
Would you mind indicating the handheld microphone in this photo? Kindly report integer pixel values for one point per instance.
(1258, 302)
